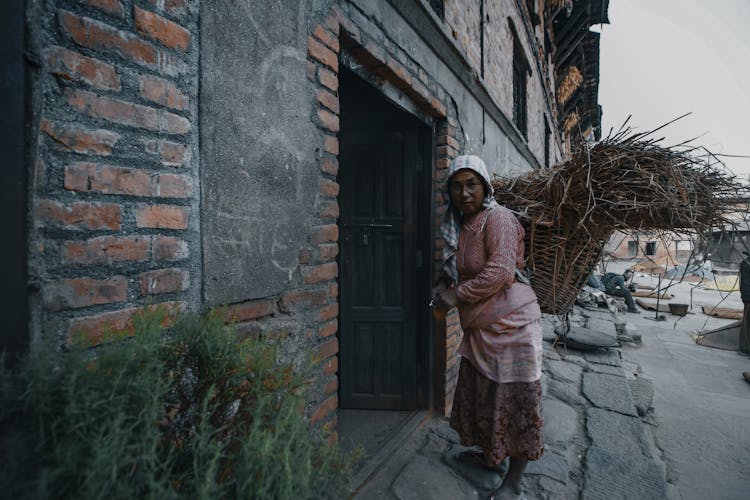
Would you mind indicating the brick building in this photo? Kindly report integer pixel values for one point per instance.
(285, 160)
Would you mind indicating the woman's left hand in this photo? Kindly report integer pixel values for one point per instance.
(447, 299)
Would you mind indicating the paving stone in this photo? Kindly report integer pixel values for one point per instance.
(617, 433)
(560, 423)
(643, 395)
(552, 464)
(616, 476)
(550, 352)
(565, 392)
(478, 476)
(444, 430)
(605, 325)
(610, 357)
(609, 392)
(434, 444)
(619, 463)
(609, 369)
(424, 479)
(566, 372)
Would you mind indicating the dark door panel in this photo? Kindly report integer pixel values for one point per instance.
(378, 228)
(384, 202)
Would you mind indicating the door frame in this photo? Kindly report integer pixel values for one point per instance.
(424, 127)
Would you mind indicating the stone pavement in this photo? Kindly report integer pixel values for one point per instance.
(597, 442)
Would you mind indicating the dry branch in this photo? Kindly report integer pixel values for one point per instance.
(627, 182)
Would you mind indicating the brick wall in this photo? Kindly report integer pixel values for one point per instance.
(462, 22)
(115, 197)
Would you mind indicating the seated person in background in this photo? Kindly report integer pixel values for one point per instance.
(614, 284)
(594, 282)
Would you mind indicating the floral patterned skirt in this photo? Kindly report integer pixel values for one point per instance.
(505, 420)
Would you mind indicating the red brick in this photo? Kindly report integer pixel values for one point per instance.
(442, 163)
(76, 67)
(172, 7)
(169, 248)
(329, 187)
(438, 107)
(93, 330)
(322, 272)
(331, 145)
(324, 234)
(333, 290)
(328, 329)
(329, 165)
(329, 312)
(172, 154)
(79, 139)
(88, 177)
(328, 120)
(164, 281)
(446, 139)
(329, 209)
(163, 92)
(297, 300)
(327, 349)
(328, 100)
(327, 38)
(251, 309)
(91, 216)
(128, 113)
(403, 78)
(332, 386)
(445, 151)
(173, 186)
(310, 71)
(332, 22)
(106, 250)
(331, 365)
(321, 53)
(102, 37)
(304, 256)
(325, 409)
(111, 7)
(328, 79)
(162, 216)
(348, 26)
(328, 251)
(160, 29)
(83, 292)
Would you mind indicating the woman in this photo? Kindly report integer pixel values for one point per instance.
(498, 399)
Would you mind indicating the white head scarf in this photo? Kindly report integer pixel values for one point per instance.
(451, 224)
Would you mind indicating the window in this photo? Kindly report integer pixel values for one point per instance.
(546, 143)
(519, 85)
(650, 248)
(632, 248)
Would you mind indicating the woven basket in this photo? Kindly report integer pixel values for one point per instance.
(560, 259)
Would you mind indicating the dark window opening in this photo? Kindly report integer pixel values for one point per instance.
(651, 248)
(632, 249)
(439, 7)
(520, 68)
(546, 143)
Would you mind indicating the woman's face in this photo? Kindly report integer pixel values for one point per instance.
(466, 189)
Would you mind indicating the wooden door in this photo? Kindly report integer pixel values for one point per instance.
(378, 260)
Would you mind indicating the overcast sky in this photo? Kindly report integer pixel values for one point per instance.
(663, 58)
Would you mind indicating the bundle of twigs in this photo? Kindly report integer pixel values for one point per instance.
(627, 182)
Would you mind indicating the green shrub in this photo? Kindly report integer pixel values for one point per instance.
(193, 411)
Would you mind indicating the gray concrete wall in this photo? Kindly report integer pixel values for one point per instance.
(258, 157)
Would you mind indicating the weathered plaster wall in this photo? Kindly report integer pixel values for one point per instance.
(259, 158)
